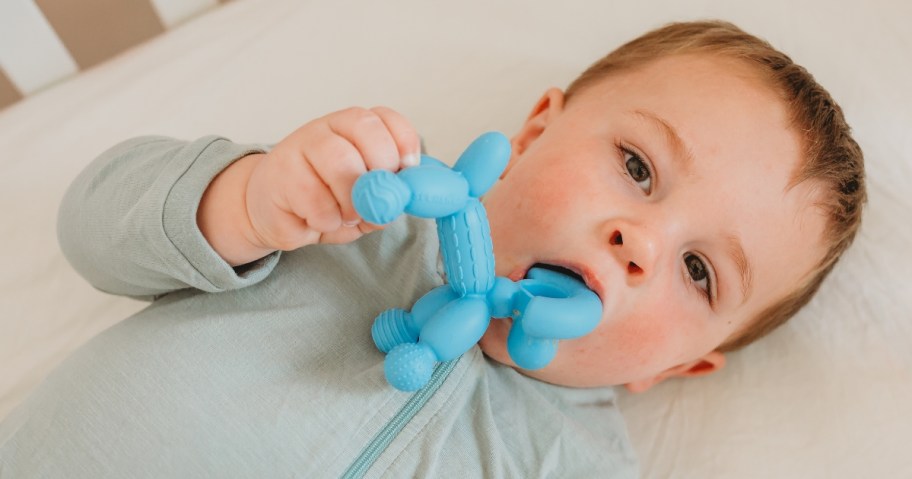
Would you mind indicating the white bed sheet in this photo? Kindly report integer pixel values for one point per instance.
(829, 395)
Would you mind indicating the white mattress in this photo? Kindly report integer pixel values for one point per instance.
(829, 395)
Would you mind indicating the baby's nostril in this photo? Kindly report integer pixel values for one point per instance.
(632, 268)
(616, 238)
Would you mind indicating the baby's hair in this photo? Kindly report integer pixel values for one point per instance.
(833, 160)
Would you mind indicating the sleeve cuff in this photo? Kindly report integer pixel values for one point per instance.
(214, 274)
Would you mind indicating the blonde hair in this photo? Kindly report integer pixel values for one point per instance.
(832, 159)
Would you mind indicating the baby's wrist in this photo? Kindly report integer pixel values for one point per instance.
(223, 216)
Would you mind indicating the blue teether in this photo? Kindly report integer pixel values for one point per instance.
(450, 319)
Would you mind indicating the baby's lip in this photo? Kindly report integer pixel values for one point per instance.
(587, 274)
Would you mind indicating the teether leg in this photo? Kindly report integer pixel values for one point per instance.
(529, 352)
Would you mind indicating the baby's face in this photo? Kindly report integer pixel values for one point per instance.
(666, 188)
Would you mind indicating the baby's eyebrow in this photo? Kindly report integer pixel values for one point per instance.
(681, 151)
(736, 251)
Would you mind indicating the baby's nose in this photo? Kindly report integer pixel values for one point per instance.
(635, 251)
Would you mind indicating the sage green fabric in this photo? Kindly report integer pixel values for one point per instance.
(271, 373)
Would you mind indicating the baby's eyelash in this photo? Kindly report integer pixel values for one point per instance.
(628, 154)
(709, 292)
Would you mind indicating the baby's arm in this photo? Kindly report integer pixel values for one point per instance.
(127, 223)
(134, 222)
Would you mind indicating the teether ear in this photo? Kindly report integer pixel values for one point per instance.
(483, 161)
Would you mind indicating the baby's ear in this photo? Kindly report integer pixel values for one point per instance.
(547, 108)
(707, 364)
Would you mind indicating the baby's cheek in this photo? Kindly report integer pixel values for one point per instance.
(646, 341)
(640, 345)
(546, 194)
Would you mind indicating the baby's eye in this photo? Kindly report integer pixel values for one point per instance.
(699, 274)
(638, 170)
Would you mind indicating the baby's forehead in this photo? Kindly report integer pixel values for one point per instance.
(681, 66)
(781, 225)
(689, 84)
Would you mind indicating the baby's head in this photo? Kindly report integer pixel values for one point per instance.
(699, 181)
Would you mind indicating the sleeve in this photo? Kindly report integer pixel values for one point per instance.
(127, 224)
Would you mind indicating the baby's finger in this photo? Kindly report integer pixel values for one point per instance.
(343, 235)
(313, 201)
(407, 140)
(366, 227)
(338, 164)
(288, 232)
(368, 133)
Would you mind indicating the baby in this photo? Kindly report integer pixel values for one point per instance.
(696, 179)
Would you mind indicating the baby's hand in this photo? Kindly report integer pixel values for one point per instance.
(300, 192)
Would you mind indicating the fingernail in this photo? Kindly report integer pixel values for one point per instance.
(351, 223)
(410, 160)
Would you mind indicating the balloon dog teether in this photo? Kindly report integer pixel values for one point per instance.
(450, 319)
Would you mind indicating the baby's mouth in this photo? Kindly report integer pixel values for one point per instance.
(558, 269)
(577, 271)
(580, 272)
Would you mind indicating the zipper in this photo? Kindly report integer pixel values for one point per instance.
(382, 440)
